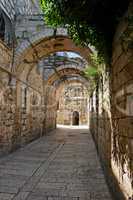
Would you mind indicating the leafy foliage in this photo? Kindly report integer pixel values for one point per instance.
(88, 21)
(97, 68)
(52, 15)
(91, 71)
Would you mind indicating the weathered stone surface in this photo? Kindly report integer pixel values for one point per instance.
(63, 165)
(26, 113)
(111, 119)
(73, 97)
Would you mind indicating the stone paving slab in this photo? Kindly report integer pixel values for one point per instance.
(63, 165)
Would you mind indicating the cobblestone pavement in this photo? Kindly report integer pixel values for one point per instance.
(60, 166)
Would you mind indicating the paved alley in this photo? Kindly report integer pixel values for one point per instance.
(60, 166)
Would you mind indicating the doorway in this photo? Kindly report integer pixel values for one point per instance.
(75, 119)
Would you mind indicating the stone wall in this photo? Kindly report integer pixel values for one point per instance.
(74, 97)
(112, 113)
(100, 115)
(8, 6)
(122, 104)
(22, 124)
(7, 113)
(26, 7)
(26, 111)
(17, 7)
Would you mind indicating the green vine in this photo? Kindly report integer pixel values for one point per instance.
(94, 72)
(97, 68)
(88, 22)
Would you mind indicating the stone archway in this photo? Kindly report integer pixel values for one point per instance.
(36, 50)
(75, 118)
(39, 120)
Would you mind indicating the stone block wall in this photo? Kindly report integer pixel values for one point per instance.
(8, 6)
(111, 113)
(23, 115)
(122, 104)
(7, 97)
(74, 97)
(21, 121)
(9, 136)
(100, 118)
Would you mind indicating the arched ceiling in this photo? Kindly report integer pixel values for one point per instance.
(71, 79)
(62, 75)
(44, 47)
(62, 68)
(60, 61)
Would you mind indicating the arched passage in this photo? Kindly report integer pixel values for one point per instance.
(26, 69)
(111, 114)
(39, 49)
(36, 105)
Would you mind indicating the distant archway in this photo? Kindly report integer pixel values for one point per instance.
(75, 119)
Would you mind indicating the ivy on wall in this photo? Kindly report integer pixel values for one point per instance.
(88, 21)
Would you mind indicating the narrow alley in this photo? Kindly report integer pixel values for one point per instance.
(63, 165)
(66, 100)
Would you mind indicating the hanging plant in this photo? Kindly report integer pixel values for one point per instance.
(88, 22)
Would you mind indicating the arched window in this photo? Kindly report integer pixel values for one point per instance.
(2, 26)
(6, 28)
